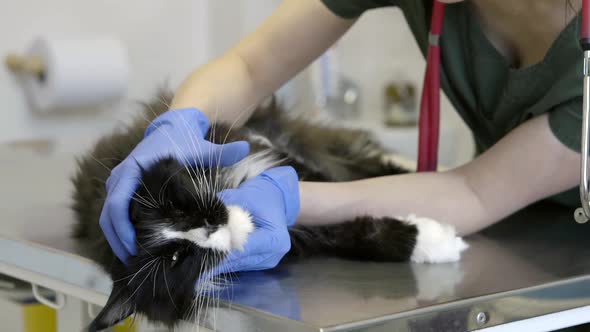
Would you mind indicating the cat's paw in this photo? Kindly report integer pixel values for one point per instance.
(240, 225)
(435, 242)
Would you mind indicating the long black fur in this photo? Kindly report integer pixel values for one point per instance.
(161, 289)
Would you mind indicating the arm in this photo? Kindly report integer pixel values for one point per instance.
(293, 36)
(527, 165)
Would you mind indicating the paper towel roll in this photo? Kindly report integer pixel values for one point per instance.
(78, 74)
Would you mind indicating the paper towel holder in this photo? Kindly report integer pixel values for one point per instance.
(25, 65)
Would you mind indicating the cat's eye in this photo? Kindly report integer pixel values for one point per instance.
(174, 259)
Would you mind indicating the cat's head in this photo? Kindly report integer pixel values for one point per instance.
(183, 230)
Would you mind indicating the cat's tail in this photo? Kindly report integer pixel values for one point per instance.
(419, 240)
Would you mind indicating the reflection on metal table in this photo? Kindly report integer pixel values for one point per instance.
(530, 265)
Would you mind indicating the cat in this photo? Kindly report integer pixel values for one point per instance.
(187, 230)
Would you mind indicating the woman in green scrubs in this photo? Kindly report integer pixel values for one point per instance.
(512, 69)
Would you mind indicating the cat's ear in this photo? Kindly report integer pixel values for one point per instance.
(118, 308)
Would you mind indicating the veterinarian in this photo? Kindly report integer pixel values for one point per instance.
(512, 69)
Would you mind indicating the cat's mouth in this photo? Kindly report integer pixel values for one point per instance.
(224, 238)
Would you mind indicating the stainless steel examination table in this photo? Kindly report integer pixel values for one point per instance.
(531, 272)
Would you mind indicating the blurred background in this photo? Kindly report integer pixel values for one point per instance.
(371, 78)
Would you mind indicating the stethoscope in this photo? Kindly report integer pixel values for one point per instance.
(430, 105)
(582, 214)
(429, 121)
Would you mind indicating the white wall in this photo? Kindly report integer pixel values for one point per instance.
(380, 48)
(229, 20)
(166, 39)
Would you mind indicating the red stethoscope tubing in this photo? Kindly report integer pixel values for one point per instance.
(429, 121)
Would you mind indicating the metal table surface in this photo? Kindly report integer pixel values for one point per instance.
(529, 265)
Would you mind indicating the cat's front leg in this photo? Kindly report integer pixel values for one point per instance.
(386, 239)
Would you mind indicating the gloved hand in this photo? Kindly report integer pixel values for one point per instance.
(272, 198)
(177, 133)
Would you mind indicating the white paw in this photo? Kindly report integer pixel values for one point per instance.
(436, 242)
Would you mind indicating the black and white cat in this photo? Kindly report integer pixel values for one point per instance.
(184, 230)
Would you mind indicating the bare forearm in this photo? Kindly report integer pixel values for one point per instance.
(441, 196)
(527, 165)
(228, 88)
(222, 89)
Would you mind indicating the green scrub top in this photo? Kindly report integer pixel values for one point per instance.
(491, 96)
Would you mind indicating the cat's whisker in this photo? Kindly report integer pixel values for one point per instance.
(165, 185)
(167, 287)
(143, 203)
(180, 152)
(187, 312)
(192, 141)
(211, 157)
(193, 310)
(142, 247)
(124, 278)
(130, 275)
(95, 178)
(151, 262)
(134, 316)
(216, 293)
(202, 294)
(100, 163)
(196, 306)
(197, 175)
(201, 270)
(164, 102)
(155, 279)
(139, 287)
(149, 192)
(144, 199)
(137, 197)
(155, 234)
(195, 198)
(227, 136)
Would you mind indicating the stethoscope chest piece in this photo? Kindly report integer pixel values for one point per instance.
(580, 216)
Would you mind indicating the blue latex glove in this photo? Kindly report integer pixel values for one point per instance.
(272, 198)
(177, 133)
